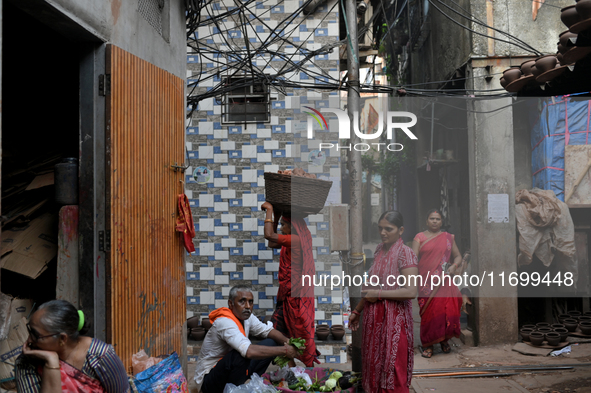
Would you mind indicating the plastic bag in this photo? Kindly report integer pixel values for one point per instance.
(255, 385)
(141, 361)
(280, 374)
(300, 372)
(166, 376)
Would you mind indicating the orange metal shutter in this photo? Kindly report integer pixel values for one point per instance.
(146, 305)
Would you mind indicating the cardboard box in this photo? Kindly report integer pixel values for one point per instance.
(11, 312)
(11, 348)
(27, 250)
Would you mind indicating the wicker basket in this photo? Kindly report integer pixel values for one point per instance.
(296, 194)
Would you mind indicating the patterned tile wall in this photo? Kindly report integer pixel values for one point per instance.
(230, 246)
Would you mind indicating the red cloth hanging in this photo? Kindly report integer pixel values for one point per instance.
(184, 223)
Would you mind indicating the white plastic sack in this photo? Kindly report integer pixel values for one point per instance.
(255, 385)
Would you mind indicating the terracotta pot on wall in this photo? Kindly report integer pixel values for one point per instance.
(569, 16)
(564, 38)
(583, 8)
(546, 63)
(512, 74)
(526, 67)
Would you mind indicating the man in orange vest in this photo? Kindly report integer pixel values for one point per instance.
(227, 355)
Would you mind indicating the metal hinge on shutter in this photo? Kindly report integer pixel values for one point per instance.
(104, 84)
(104, 240)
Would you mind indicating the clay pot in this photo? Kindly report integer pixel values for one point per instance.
(584, 318)
(525, 333)
(570, 324)
(192, 322)
(563, 332)
(338, 334)
(562, 317)
(322, 327)
(553, 338)
(542, 325)
(574, 313)
(503, 82)
(557, 326)
(587, 313)
(529, 327)
(585, 327)
(526, 67)
(512, 74)
(569, 16)
(206, 323)
(564, 38)
(322, 334)
(583, 8)
(536, 338)
(559, 57)
(545, 330)
(546, 63)
(197, 333)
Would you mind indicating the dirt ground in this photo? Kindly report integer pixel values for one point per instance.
(576, 380)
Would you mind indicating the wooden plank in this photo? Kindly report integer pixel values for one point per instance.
(67, 256)
(147, 306)
(575, 162)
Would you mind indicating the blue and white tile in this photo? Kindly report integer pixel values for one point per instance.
(228, 218)
(228, 194)
(229, 242)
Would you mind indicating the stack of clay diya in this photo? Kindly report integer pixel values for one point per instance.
(574, 44)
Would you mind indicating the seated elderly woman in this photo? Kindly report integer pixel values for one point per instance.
(58, 358)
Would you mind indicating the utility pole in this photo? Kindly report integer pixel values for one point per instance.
(355, 215)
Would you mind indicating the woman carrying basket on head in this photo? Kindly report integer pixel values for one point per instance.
(294, 313)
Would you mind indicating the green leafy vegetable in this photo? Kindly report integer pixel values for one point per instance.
(300, 345)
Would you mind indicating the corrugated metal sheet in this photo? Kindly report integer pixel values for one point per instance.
(145, 266)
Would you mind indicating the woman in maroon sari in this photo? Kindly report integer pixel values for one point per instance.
(439, 306)
(294, 313)
(387, 351)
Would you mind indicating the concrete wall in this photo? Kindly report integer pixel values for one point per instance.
(446, 47)
(492, 171)
(118, 22)
(515, 17)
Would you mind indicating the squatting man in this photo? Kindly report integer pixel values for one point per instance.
(227, 355)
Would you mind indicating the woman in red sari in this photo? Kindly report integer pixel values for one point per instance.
(439, 306)
(387, 352)
(294, 313)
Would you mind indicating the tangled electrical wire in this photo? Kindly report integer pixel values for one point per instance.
(245, 41)
(248, 46)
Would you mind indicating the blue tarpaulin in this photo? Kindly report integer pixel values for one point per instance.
(563, 121)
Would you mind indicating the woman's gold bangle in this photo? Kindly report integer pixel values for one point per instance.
(52, 368)
(269, 220)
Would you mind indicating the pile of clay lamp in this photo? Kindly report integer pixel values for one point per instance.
(574, 44)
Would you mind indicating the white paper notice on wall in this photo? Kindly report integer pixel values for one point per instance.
(334, 195)
(375, 199)
(498, 208)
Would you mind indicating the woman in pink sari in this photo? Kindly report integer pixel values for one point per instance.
(439, 306)
(387, 350)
